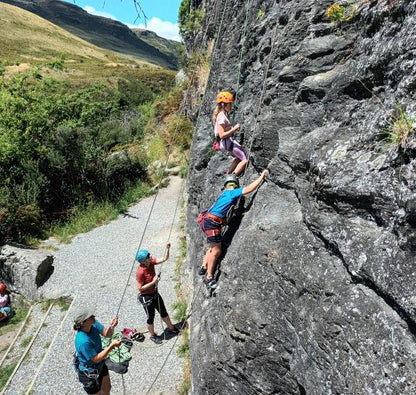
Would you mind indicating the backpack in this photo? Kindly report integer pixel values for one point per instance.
(119, 357)
(119, 367)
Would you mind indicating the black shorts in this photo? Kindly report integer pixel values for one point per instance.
(151, 303)
(92, 386)
(211, 224)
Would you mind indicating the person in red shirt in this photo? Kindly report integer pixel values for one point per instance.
(148, 296)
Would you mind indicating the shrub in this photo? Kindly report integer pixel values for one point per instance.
(190, 19)
(180, 131)
(261, 12)
(169, 103)
(401, 127)
(133, 92)
(340, 13)
(180, 310)
(111, 133)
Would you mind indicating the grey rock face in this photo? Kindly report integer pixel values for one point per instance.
(24, 270)
(317, 280)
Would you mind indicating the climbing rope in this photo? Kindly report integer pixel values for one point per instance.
(200, 285)
(263, 90)
(240, 58)
(174, 134)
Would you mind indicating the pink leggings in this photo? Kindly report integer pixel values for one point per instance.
(236, 149)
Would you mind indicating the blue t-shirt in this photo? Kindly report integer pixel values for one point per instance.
(88, 345)
(225, 201)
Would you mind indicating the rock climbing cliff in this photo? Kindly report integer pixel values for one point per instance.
(317, 283)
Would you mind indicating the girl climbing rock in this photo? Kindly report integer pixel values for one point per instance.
(224, 131)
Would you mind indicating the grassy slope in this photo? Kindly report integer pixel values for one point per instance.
(27, 39)
(102, 32)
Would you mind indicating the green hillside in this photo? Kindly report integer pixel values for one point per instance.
(103, 32)
(80, 128)
(28, 40)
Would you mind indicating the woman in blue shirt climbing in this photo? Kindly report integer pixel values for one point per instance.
(92, 371)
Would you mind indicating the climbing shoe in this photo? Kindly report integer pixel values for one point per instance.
(173, 331)
(156, 339)
(210, 282)
(202, 271)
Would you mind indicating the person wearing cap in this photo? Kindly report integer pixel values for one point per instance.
(224, 131)
(212, 220)
(92, 372)
(5, 308)
(148, 296)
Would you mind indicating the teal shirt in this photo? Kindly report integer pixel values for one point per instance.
(88, 345)
(225, 201)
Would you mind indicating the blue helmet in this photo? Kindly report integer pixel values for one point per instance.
(142, 255)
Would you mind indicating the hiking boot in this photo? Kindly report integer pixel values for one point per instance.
(210, 282)
(202, 271)
(156, 339)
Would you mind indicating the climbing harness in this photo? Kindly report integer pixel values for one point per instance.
(216, 144)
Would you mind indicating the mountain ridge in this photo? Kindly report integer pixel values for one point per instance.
(100, 31)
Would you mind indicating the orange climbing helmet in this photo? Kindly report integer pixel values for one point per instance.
(225, 97)
(2, 287)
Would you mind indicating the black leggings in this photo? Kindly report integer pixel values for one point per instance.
(151, 303)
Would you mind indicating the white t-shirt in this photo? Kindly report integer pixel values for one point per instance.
(223, 121)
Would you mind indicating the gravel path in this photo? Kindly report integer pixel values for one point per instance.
(47, 329)
(94, 269)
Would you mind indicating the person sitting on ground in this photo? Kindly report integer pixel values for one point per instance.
(213, 219)
(224, 131)
(5, 304)
(92, 372)
(148, 296)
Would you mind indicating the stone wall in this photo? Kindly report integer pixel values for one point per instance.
(317, 283)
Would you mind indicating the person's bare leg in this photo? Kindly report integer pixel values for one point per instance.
(204, 261)
(240, 167)
(168, 322)
(214, 253)
(105, 386)
(151, 329)
(233, 165)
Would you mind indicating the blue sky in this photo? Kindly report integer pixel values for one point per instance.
(162, 15)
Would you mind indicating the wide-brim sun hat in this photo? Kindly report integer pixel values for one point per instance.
(83, 313)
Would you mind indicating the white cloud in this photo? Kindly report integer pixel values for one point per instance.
(93, 11)
(163, 29)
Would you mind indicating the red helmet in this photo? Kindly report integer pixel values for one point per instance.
(225, 97)
(2, 287)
